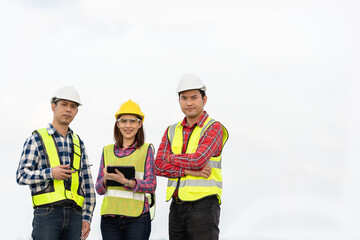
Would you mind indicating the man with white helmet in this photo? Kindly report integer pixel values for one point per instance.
(190, 157)
(55, 165)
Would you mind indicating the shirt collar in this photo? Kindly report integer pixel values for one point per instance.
(199, 122)
(51, 130)
(132, 146)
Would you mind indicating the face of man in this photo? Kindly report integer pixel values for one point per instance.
(192, 104)
(64, 111)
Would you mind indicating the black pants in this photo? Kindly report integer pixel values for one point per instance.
(198, 220)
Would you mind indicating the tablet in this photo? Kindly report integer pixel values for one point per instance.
(128, 171)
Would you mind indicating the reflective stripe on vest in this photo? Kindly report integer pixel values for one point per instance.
(118, 200)
(191, 188)
(56, 191)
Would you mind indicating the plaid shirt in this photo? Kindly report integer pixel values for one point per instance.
(34, 169)
(172, 165)
(148, 185)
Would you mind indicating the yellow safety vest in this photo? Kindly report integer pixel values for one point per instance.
(191, 188)
(118, 200)
(56, 191)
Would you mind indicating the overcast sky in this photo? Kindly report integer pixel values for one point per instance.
(282, 77)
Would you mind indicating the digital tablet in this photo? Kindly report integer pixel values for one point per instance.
(128, 171)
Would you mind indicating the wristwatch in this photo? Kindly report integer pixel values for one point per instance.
(127, 184)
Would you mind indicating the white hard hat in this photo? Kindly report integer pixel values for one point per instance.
(189, 82)
(67, 93)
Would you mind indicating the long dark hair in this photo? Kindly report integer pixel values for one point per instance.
(139, 137)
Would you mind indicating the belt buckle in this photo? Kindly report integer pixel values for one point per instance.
(179, 201)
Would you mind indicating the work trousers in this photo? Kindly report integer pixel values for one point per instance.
(197, 220)
(57, 223)
(126, 228)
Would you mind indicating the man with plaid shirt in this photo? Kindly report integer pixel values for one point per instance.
(189, 156)
(55, 165)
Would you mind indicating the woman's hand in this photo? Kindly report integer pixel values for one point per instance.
(117, 176)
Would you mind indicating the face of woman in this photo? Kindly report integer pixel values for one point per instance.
(128, 126)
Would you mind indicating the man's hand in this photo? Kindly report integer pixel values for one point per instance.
(85, 230)
(205, 172)
(61, 172)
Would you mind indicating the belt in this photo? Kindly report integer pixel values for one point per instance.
(62, 204)
(179, 201)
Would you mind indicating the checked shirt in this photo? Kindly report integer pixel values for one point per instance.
(34, 169)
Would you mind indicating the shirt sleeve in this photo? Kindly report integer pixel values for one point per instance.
(162, 166)
(100, 188)
(88, 186)
(148, 185)
(29, 172)
(209, 145)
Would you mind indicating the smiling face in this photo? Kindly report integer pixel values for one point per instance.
(192, 105)
(128, 126)
(64, 112)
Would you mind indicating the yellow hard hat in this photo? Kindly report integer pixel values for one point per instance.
(130, 107)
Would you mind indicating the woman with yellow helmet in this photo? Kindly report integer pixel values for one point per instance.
(126, 178)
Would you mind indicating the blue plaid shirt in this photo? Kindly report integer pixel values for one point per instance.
(35, 171)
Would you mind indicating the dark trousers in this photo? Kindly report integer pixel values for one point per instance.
(126, 228)
(56, 223)
(198, 220)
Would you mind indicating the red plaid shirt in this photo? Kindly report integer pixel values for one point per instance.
(172, 165)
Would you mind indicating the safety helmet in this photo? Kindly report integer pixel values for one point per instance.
(67, 93)
(130, 107)
(190, 82)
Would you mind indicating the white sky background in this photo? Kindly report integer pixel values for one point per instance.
(280, 75)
